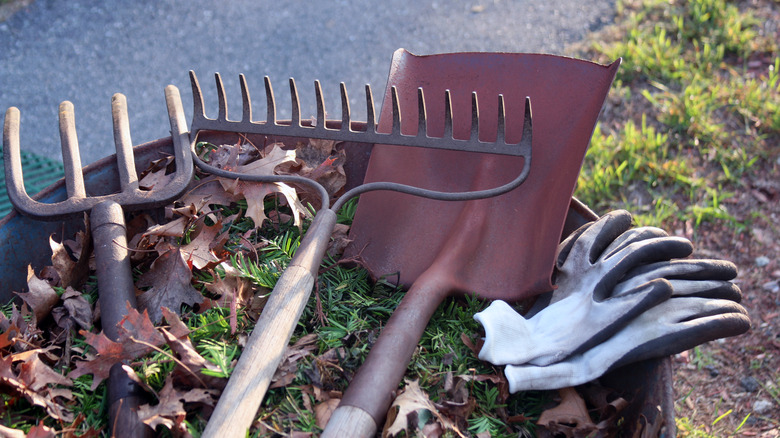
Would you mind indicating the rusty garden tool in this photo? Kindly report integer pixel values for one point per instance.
(497, 248)
(251, 377)
(115, 282)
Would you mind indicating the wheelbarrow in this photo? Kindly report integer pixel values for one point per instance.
(647, 384)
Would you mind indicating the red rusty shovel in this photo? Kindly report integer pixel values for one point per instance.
(496, 248)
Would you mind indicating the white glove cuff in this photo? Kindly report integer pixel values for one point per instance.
(507, 334)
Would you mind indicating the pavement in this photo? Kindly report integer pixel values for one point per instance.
(85, 51)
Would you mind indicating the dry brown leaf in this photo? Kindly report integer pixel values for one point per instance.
(338, 241)
(63, 264)
(198, 251)
(137, 337)
(189, 368)
(157, 174)
(170, 281)
(74, 310)
(40, 297)
(14, 386)
(36, 375)
(206, 191)
(569, 418)
(170, 412)
(174, 228)
(287, 369)
(255, 192)
(320, 161)
(324, 410)
(7, 432)
(233, 292)
(405, 407)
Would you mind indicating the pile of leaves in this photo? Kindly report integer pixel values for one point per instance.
(204, 268)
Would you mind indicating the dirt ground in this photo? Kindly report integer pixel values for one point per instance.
(741, 375)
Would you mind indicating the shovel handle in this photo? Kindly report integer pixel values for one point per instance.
(365, 403)
(265, 348)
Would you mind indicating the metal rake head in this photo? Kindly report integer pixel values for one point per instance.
(130, 195)
(346, 132)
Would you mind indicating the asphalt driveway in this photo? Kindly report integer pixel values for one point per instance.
(85, 51)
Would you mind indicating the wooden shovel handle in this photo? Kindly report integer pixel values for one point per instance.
(251, 377)
(366, 401)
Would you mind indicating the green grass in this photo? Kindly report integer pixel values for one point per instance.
(698, 119)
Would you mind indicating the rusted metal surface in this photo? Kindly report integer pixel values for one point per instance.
(497, 248)
(370, 132)
(107, 222)
(25, 241)
(251, 383)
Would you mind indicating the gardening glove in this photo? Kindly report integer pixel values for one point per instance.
(671, 327)
(699, 278)
(590, 263)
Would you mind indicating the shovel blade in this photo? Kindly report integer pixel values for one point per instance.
(513, 258)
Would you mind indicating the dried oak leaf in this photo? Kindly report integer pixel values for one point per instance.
(137, 337)
(199, 250)
(233, 292)
(287, 369)
(255, 192)
(323, 411)
(36, 375)
(170, 281)
(403, 413)
(72, 273)
(320, 161)
(570, 418)
(40, 296)
(157, 174)
(170, 412)
(189, 368)
(45, 397)
(38, 431)
(75, 310)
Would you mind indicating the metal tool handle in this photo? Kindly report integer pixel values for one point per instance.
(117, 292)
(366, 401)
(251, 377)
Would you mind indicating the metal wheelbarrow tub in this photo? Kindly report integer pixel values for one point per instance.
(23, 241)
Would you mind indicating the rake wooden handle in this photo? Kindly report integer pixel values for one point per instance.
(251, 377)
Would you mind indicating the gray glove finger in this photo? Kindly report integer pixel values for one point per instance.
(637, 254)
(540, 340)
(669, 328)
(634, 235)
(689, 269)
(701, 278)
(692, 322)
(591, 239)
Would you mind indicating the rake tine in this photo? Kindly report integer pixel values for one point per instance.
(320, 122)
(396, 130)
(128, 179)
(12, 156)
(422, 115)
(197, 98)
(71, 159)
(501, 128)
(527, 122)
(474, 117)
(246, 115)
(447, 115)
(346, 122)
(370, 114)
(222, 101)
(270, 102)
(296, 107)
